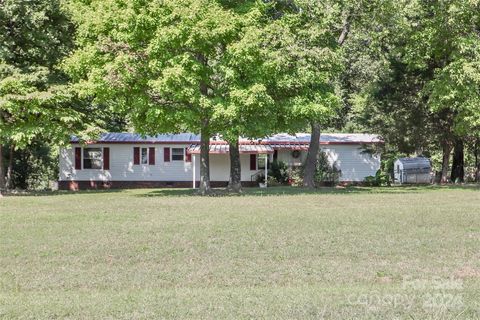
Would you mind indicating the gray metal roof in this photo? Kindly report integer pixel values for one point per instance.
(326, 138)
(126, 137)
(415, 163)
(225, 148)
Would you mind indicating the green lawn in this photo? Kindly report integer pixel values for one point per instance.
(356, 253)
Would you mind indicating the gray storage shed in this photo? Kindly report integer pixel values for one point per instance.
(413, 170)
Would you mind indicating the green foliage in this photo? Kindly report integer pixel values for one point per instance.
(272, 182)
(409, 71)
(370, 181)
(296, 176)
(34, 100)
(380, 179)
(447, 43)
(171, 70)
(35, 167)
(34, 33)
(325, 172)
(278, 172)
(305, 63)
(30, 106)
(260, 178)
(412, 76)
(247, 74)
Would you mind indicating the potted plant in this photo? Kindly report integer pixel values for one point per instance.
(261, 181)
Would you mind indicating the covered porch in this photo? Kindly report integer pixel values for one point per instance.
(254, 158)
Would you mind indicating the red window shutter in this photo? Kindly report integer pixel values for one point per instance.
(188, 156)
(106, 158)
(253, 162)
(151, 156)
(136, 155)
(78, 158)
(166, 154)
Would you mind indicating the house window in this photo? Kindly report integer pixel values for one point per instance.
(92, 158)
(398, 169)
(144, 157)
(178, 154)
(260, 162)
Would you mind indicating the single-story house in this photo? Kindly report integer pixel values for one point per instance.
(128, 160)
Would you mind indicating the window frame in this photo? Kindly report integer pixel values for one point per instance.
(172, 154)
(84, 152)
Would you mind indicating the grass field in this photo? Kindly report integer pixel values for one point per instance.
(357, 253)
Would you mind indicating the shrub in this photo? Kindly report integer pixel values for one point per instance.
(279, 171)
(296, 177)
(379, 179)
(370, 181)
(273, 182)
(260, 178)
(382, 178)
(325, 173)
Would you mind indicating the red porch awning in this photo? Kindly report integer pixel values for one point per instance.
(224, 149)
(289, 146)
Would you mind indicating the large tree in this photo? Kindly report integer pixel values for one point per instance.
(313, 38)
(306, 60)
(172, 65)
(246, 108)
(442, 38)
(34, 101)
(413, 76)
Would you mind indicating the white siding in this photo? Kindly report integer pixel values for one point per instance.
(286, 157)
(220, 167)
(398, 167)
(123, 169)
(352, 161)
(354, 164)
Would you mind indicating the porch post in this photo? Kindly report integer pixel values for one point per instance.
(266, 169)
(193, 170)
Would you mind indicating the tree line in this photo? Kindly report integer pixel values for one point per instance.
(407, 70)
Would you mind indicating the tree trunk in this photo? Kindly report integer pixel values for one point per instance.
(2, 171)
(205, 160)
(235, 182)
(345, 29)
(446, 149)
(314, 148)
(312, 157)
(10, 168)
(458, 163)
(477, 162)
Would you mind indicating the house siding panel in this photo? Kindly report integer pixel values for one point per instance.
(122, 167)
(354, 164)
